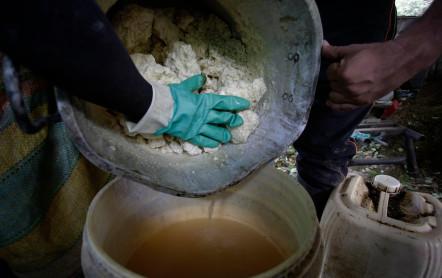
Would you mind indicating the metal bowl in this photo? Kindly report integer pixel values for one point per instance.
(284, 38)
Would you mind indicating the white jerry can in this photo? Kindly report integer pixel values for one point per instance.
(380, 230)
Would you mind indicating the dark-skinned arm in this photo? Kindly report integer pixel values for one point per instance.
(363, 73)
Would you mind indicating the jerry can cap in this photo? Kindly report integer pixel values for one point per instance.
(386, 183)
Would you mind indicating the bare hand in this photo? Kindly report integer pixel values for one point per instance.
(363, 73)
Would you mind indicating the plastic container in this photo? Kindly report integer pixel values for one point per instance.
(124, 213)
(381, 231)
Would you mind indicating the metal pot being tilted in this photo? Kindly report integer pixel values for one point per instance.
(282, 37)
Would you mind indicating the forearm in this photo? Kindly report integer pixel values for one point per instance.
(366, 72)
(71, 43)
(422, 41)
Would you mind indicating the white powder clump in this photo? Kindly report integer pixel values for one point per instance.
(211, 150)
(152, 71)
(164, 28)
(179, 60)
(182, 60)
(133, 25)
(176, 148)
(228, 78)
(166, 149)
(156, 143)
(191, 149)
(251, 121)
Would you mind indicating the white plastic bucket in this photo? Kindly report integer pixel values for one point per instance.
(125, 212)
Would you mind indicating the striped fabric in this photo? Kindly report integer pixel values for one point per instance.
(45, 187)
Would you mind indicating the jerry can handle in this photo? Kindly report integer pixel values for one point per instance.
(17, 103)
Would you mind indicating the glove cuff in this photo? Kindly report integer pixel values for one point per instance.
(159, 113)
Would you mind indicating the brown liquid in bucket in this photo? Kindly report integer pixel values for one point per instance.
(205, 248)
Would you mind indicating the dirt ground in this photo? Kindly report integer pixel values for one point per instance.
(422, 114)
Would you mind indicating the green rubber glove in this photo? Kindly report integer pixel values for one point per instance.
(202, 119)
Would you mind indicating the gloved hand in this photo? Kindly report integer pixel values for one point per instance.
(201, 119)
